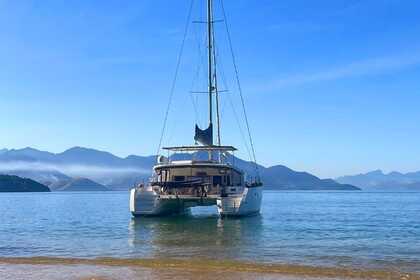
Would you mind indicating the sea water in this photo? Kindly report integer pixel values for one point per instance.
(360, 230)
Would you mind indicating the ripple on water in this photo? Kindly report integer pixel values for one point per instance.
(340, 229)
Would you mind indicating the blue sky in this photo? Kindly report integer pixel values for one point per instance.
(332, 87)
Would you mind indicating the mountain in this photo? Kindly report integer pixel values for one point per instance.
(282, 177)
(82, 184)
(17, 184)
(89, 157)
(378, 180)
(106, 169)
(74, 156)
(25, 154)
(48, 177)
(57, 169)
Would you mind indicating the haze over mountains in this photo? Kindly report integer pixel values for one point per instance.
(78, 184)
(378, 180)
(102, 170)
(59, 170)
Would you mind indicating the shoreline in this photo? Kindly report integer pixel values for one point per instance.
(204, 267)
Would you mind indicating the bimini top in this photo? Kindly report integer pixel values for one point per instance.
(201, 148)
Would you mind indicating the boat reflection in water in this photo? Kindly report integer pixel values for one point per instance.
(192, 235)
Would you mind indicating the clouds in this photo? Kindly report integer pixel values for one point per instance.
(361, 68)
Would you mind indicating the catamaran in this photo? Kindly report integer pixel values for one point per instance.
(205, 176)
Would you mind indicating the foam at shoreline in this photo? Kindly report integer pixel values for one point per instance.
(211, 267)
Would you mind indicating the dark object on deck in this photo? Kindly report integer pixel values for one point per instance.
(204, 137)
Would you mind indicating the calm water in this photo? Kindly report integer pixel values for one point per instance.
(350, 229)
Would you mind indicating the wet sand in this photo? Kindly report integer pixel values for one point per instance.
(127, 269)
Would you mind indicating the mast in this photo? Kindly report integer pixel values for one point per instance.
(210, 61)
(216, 92)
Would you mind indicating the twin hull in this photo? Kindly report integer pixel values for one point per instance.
(146, 202)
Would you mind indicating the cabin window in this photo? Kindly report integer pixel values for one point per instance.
(228, 180)
(217, 180)
(201, 174)
(179, 178)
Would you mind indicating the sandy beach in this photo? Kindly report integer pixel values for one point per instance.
(119, 269)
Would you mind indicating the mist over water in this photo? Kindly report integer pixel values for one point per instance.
(78, 170)
(356, 230)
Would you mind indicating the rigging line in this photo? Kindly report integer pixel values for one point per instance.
(200, 56)
(171, 132)
(196, 77)
(194, 103)
(238, 122)
(201, 62)
(239, 87)
(240, 127)
(222, 72)
(181, 51)
(217, 108)
(217, 90)
(235, 114)
(200, 65)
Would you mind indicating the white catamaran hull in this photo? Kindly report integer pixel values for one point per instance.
(247, 203)
(145, 202)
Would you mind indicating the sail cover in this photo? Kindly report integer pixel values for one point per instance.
(204, 137)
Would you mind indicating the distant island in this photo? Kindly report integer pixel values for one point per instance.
(79, 168)
(17, 184)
